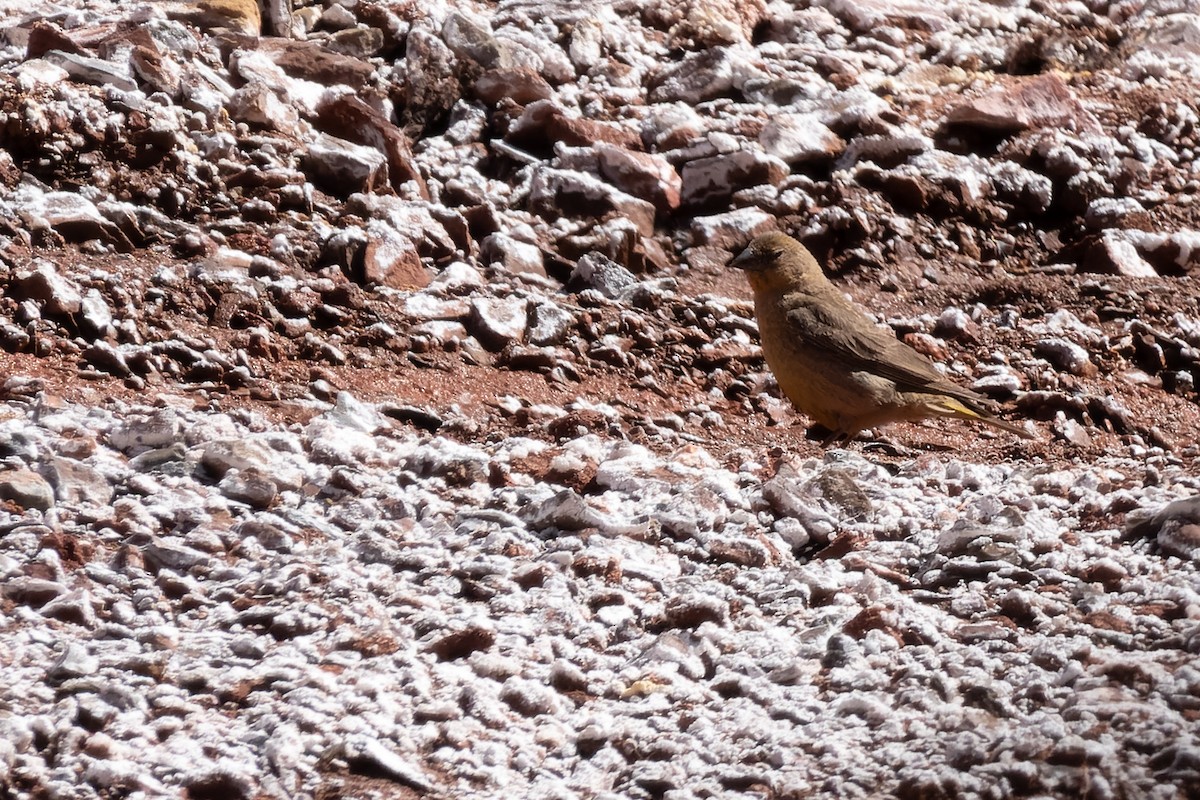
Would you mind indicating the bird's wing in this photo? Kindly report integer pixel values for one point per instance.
(849, 337)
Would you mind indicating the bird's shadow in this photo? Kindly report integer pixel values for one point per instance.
(871, 442)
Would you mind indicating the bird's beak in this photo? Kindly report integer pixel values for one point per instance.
(743, 260)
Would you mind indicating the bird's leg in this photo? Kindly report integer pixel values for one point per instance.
(839, 436)
(890, 446)
(816, 432)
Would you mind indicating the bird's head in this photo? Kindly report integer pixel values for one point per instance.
(777, 260)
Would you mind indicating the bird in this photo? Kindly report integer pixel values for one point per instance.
(832, 361)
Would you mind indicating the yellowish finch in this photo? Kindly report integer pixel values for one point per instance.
(832, 361)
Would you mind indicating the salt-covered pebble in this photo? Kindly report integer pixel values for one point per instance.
(26, 488)
(1065, 355)
(497, 322)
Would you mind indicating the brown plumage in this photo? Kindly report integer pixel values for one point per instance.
(832, 361)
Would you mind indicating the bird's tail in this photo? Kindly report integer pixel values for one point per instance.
(953, 407)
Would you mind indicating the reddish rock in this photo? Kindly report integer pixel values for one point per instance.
(867, 16)
(256, 104)
(435, 232)
(650, 177)
(800, 139)
(312, 62)
(158, 73)
(1043, 101)
(701, 76)
(431, 84)
(620, 240)
(356, 42)
(512, 255)
(557, 192)
(110, 46)
(471, 40)
(731, 230)
(544, 123)
(457, 228)
(391, 259)
(44, 37)
(351, 119)
(58, 295)
(707, 181)
(672, 127)
(498, 321)
(343, 168)
(1175, 253)
(904, 190)
(389, 21)
(519, 84)
(928, 346)
(73, 217)
(1114, 254)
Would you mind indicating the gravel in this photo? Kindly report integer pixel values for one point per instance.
(378, 419)
(386, 610)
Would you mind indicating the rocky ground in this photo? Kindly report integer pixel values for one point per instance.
(380, 419)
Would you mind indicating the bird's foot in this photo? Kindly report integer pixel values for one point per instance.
(889, 447)
(838, 437)
(844, 438)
